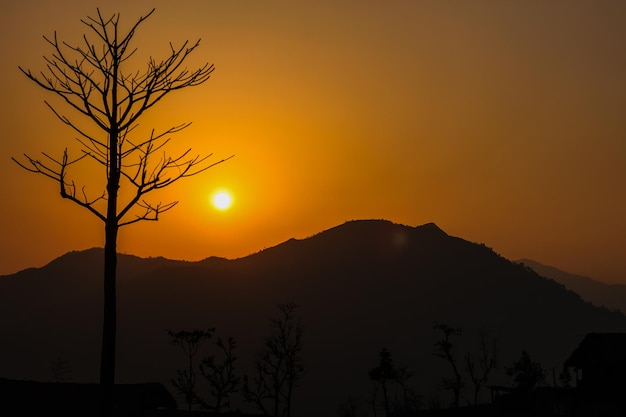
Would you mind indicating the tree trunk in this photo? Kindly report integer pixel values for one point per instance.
(457, 390)
(218, 402)
(109, 324)
(107, 359)
(276, 398)
(385, 397)
(288, 399)
(191, 384)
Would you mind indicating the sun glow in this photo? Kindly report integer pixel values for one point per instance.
(222, 200)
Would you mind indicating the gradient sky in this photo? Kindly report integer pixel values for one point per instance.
(502, 122)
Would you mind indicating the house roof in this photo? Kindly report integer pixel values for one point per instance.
(599, 350)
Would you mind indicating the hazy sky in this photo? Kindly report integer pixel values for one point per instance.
(502, 122)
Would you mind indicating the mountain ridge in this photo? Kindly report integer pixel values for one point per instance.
(361, 286)
(598, 293)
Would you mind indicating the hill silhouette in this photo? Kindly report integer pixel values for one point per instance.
(612, 296)
(362, 286)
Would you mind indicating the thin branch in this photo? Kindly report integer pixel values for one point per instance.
(88, 77)
(58, 173)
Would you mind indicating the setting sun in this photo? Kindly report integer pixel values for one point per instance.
(222, 200)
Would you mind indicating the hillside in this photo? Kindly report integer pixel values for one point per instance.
(362, 286)
(612, 296)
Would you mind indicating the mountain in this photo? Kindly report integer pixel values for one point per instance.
(361, 286)
(598, 293)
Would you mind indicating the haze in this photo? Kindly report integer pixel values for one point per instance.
(502, 122)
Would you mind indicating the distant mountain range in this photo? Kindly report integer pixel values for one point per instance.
(362, 286)
(601, 294)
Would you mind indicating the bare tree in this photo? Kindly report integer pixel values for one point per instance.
(92, 79)
(257, 391)
(383, 375)
(393, 382)
(444, 350)
(410, 400)
(189, 342)
(280, 365)
(481, 366)
(221, 375)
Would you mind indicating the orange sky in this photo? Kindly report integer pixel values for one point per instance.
(502, 122)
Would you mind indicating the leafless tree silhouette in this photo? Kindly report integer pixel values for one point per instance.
(189, 342)
(221, 375)
(480, 366)
(280, 365)
(383, 374)
(91, 79)
(444, 350)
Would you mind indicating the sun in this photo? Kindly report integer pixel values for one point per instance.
(222, 200)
